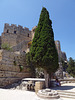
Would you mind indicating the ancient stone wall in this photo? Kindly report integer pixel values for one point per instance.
(33, 31)
(22, 46)
(13, 34)
(57, 43)
(10, 67)
(1, 55)
(61, 55)
(8, 38)
(64, 56)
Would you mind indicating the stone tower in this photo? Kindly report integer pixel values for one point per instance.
(16, 36)
(57, 43)
(33, 31)
(62, 56)
(13, 34)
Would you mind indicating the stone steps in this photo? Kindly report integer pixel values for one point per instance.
(66, 94)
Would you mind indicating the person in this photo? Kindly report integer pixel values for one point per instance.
(57, 82)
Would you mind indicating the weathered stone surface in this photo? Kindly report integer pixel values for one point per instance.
(61, 56)
(10, 69)
(47, 94)
(15, 34)
(1, 55)
(39, 86)
(6, 81)
(14, 74)
(12, 61)
(22, 46)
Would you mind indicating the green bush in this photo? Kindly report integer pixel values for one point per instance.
(6, 46)
(21, 67)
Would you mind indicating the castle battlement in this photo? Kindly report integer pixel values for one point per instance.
(13, 28)
(14, 34)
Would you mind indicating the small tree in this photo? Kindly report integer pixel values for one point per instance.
(71, 67)
(43, 51)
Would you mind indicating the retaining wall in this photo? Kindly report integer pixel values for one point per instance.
(10, 67)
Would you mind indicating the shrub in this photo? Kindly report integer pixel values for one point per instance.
(6, 46)
(21, 67)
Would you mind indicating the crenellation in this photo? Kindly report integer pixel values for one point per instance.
(13, 25)
(14, 34)
(13, 28)
(26, 28)
(6, 25)
(20, 27)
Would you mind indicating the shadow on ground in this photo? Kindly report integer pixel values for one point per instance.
(63, 88)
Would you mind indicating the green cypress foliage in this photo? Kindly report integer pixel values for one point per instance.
(43, 51)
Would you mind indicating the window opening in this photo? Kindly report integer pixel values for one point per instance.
(7, 31)
(15, 32)
(28, 35)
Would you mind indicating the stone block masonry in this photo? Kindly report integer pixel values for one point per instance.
(10, 67)
(12, 63)
(13, 34)
(22, 46)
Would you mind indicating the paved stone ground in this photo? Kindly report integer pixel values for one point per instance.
(6, 94)
(9, 94)
(66, 86)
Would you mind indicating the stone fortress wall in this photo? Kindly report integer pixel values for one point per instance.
(62, 56)
(15, 34)
(10, 67)
(11, 61)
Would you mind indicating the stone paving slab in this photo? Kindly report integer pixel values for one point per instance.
(66, 86)
(9, 94)
(6, 94)
(67, 91)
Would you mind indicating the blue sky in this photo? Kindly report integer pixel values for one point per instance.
(27, 12)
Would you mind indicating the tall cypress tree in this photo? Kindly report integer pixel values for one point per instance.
(43, 51)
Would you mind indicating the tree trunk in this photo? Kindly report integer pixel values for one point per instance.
(47, 79)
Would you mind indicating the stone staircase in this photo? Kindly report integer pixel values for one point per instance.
(66, 94)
